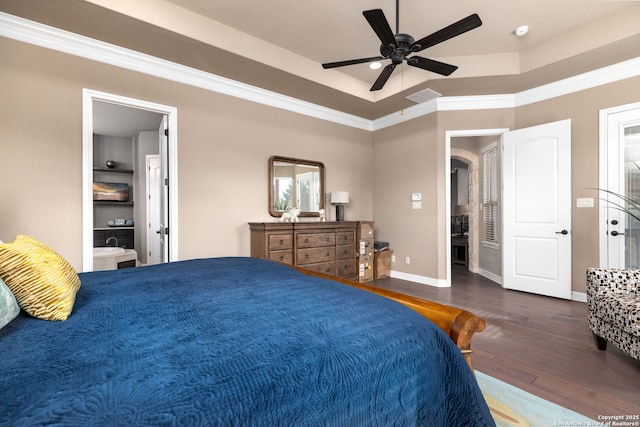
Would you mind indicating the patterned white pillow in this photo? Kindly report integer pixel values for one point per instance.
(9, 308)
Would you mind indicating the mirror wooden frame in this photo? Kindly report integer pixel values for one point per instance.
(294, 161)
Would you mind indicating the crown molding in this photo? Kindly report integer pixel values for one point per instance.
(613, 73)
(34, 33)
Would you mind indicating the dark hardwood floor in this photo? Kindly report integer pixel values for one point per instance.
(539, 344)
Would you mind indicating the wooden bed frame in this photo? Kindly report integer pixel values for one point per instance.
(458, 324)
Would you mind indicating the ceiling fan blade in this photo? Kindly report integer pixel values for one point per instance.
(453, 30)
(351, 62)
(431, 65)
(380, 25)
(383, 77)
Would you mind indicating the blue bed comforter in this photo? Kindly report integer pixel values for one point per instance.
(232, 342)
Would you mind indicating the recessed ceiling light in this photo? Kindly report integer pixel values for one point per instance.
(375, 65)
(521, 30)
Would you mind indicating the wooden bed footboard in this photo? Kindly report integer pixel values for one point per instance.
(458, 324)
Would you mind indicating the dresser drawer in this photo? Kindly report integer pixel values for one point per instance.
(280, 241)
(325, 267)
(345, 238)
(346, 268)
(314, 240)
(282, 256)
(315, 255)
(345, 252)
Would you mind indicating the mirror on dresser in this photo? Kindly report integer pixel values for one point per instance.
(295, 183)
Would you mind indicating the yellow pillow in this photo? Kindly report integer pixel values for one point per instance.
(43, 282)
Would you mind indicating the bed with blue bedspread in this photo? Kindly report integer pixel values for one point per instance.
(233, 342)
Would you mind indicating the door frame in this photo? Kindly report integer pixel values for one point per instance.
(603, 174)
(88, 97)
(447, 170)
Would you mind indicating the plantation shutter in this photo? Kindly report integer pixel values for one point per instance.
(490, 194)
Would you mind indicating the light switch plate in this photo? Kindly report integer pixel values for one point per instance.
(586, 202)
(416, 205)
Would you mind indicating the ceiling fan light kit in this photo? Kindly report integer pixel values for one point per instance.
(397, 47)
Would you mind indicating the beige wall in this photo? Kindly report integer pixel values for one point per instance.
(405, 162)
(224, 146)
(408, 158)
(393, 180)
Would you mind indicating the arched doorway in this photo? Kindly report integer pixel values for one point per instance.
(471, 160)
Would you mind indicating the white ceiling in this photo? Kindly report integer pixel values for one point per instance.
(280, 44)
(121, 121)
(331, 30)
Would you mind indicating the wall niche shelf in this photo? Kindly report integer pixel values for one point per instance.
(115, 170)
(111, 203)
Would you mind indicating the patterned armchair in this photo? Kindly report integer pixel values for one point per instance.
(613, 298)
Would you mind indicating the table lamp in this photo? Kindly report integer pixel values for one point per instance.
(339, 198)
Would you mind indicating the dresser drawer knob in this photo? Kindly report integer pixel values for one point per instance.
(328, 254)
(327, 238)
(281, 242)
(306, 240)
(306, 256)
(281, 258)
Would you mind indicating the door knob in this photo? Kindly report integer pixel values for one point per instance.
(615, 233)
(565, 232)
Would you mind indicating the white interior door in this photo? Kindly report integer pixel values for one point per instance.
(536, 177)
(620, 174)
(164, 193)
(154, 189)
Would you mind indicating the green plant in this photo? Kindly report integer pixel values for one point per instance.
(625, 204)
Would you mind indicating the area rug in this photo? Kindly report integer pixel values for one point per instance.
(511, 406)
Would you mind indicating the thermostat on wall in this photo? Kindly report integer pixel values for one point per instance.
(416, 197)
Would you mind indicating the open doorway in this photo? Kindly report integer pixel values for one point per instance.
(463, 215)
(526, 220)
(118, 135)
(464, 224)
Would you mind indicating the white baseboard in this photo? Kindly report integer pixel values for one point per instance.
(491, 276)
(423, 280)
(441, 283)
(578, 296)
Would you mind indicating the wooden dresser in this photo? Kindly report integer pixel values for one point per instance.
(328, 247)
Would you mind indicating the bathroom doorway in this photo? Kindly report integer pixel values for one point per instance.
(118, 134)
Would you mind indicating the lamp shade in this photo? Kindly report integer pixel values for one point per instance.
(461, 210)
(339, 197)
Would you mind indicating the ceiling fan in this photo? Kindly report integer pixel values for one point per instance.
(397, 47)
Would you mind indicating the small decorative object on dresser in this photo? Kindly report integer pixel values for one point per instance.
(326, 247)
(291, 216)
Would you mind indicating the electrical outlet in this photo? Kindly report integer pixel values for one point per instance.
(393, 258)
(407, 260)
